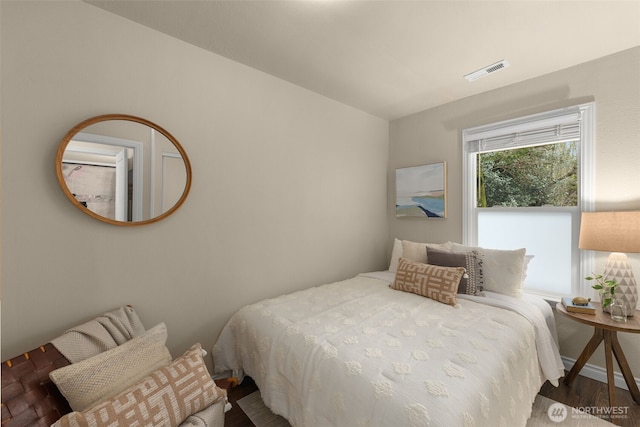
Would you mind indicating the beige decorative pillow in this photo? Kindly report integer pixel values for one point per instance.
(98, 378)
(417, 252)
(502, 269)
(165, 398)
(431, 281)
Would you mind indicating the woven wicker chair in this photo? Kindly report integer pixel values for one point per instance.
(29, 397)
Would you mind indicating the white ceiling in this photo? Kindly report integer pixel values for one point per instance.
(394, 58)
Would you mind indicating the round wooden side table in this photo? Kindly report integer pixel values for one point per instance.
(605, 329)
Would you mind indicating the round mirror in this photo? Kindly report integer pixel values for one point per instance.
(123, 170)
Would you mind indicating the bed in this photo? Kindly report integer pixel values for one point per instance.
(360, 353)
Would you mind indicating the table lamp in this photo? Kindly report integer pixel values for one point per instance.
(618, 233)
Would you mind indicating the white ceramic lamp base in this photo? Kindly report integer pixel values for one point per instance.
(619, 269)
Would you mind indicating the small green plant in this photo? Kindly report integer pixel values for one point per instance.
(607, 288)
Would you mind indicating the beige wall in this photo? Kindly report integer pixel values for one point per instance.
(289, 187)
(434, 135)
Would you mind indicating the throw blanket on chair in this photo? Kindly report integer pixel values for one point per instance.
(100, 334)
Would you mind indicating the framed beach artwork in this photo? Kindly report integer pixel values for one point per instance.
(421, 191)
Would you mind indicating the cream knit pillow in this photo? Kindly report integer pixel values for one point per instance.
(98, 378)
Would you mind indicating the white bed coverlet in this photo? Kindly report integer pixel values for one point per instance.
(357, 353)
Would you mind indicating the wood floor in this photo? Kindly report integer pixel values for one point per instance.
(587, 393)
(584, 392)
(235, 417)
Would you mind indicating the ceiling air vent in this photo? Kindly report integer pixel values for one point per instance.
(487, 70)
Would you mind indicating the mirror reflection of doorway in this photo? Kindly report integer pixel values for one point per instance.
(108, 166)
(94, 186)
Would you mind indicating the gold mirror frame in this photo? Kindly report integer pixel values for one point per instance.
(107, 117)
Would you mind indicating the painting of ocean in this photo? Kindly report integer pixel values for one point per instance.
(421, 191)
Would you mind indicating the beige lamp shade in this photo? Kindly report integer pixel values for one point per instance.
(618, 233)
(610, 231)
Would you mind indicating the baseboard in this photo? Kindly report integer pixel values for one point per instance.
(597, 373)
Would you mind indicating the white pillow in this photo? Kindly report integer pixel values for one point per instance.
(527, 260)
(502, 269)
(396, 254)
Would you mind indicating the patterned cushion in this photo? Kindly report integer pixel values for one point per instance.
(431, 281)
(502, 269)
(98, 378)
(471, 282)
(165, 398)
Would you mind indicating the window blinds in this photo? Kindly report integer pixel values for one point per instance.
(547, 128)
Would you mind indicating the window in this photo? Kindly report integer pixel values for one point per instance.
(525, 183)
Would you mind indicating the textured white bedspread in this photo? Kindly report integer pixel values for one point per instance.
(357, 353)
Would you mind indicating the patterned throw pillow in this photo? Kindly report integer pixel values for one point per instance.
(503, 269)
(165, 398)
(98, 378)
(431, 281)
(471, 282)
